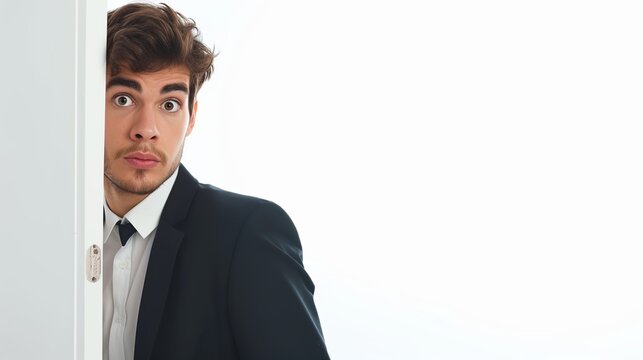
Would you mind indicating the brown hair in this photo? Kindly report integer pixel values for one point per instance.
(148, 37)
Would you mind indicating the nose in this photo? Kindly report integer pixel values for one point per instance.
(144, 127)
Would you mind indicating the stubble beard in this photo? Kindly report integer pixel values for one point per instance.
(138, 184)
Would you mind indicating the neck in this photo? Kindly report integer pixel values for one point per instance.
(119, 201)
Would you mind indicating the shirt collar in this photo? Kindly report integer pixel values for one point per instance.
(145, 216)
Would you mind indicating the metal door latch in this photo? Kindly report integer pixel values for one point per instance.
(92, 268)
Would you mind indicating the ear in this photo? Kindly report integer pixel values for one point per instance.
(192, 117)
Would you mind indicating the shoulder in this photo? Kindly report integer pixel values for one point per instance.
(211, 210)
(199, 198)
(213, 205)
(216, 199)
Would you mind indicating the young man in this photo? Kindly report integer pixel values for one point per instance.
(190, 271)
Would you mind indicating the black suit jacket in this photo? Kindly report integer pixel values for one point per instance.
(225, 280)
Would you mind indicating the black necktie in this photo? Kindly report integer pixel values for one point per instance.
(125, 231)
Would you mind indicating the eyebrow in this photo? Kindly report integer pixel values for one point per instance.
(116, 81)
(132, 84)
(174, 87)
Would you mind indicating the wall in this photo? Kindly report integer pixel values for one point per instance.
(50, 188)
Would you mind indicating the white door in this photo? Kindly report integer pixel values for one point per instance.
(51, 136)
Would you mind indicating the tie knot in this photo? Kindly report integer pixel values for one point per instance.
(125, 231)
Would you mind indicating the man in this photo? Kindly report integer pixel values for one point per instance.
(191, 271)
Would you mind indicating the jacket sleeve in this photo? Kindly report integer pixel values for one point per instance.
(270, 296)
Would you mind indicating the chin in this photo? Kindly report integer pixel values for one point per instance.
(138, 181)
(135, 186)
(135, 181)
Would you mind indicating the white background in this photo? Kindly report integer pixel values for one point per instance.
(465, 175)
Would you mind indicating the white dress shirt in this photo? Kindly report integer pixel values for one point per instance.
(124, 271)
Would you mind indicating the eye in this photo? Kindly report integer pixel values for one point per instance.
(123, 101)
(171, 106)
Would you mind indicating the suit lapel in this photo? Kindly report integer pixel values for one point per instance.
(161, 264)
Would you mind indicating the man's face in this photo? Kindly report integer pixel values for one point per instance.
(146, 122)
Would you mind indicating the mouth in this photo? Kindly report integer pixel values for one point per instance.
(141, 160)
